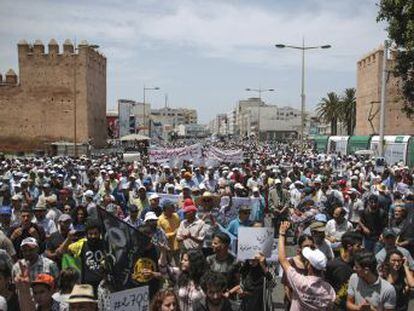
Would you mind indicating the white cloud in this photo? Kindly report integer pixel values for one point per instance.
(238, 32)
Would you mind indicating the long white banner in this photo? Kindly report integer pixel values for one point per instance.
(212, 155)
(228, 156)
(172, 155)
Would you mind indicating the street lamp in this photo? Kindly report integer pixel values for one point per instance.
(303, 48)
(156, 88)
(260, 91)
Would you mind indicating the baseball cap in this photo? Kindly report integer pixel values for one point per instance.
(389, 232)
(315, 257)
(64, 217)
(45, 279)
(150, 216)
(29, 242)
(154, 196)
(189, 208)
(321, 218)
(167, 203)
(89, 193)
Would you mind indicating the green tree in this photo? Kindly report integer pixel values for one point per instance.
(399, 14)
(328, 110)
(347, 110)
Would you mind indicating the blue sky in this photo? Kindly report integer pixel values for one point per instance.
(203, 54)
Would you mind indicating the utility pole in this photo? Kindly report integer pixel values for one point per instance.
(383, 98)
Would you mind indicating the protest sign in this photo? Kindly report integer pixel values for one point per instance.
(134, 299)
(228, 156)
(254, 240)
(175, 155)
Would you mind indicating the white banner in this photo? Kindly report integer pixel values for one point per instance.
(254, 240)
(174, 155)
(228, 156)
(135, 299)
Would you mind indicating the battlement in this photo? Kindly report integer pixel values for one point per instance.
(28, 52)
(10, 78)
(371, 57)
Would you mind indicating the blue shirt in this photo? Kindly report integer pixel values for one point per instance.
(234, 225)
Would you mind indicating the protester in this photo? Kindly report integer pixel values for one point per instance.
(366, 290)
(309, 292)
(167, 223)
(396, 271)
(165, 300)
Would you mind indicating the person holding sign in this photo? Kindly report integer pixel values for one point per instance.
(309, 292)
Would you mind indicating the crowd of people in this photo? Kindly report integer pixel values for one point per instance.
(350, 221)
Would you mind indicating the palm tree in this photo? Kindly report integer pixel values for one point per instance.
(348, 110)
(328, 110)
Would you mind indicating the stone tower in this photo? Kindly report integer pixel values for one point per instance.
(368, 97)
(39, 104)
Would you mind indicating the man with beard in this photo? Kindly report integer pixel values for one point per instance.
(214, 285)
(90, 252)
(336, 227)
(59, 240)
(372, 222)
(339, 270)
(36, 264)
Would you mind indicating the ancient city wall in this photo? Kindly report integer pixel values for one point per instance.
(39, 107)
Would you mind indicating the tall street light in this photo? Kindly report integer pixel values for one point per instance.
(156, 88)
(303, 48)
(260, 91)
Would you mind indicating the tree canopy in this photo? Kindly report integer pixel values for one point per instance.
(399, 14)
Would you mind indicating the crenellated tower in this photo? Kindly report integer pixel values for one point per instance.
(41, 101)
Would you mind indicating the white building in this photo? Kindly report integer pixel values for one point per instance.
(253, 116)
(191, 130)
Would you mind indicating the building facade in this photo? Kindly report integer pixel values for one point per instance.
(53, 96)
(253, 116)
(368, 97)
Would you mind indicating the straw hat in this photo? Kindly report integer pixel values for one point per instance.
(208, 199)
(81, 293)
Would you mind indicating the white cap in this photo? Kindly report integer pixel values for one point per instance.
(255, 189)
(150, 216)
(238, 186)
(89, 193)
(154, 196)
(315, 257)
(277, 181)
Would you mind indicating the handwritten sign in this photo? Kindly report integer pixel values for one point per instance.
(135, 299)
(254, 240)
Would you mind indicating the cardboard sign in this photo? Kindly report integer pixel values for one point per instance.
(254, 240)
(134, 299)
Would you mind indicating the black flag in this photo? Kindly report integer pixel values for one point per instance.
(124, 245)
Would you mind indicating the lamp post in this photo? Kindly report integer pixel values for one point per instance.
(156, 88)
(303, 48)
(260, 91)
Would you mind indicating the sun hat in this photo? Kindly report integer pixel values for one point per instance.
(81, 293)
(316, 258)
